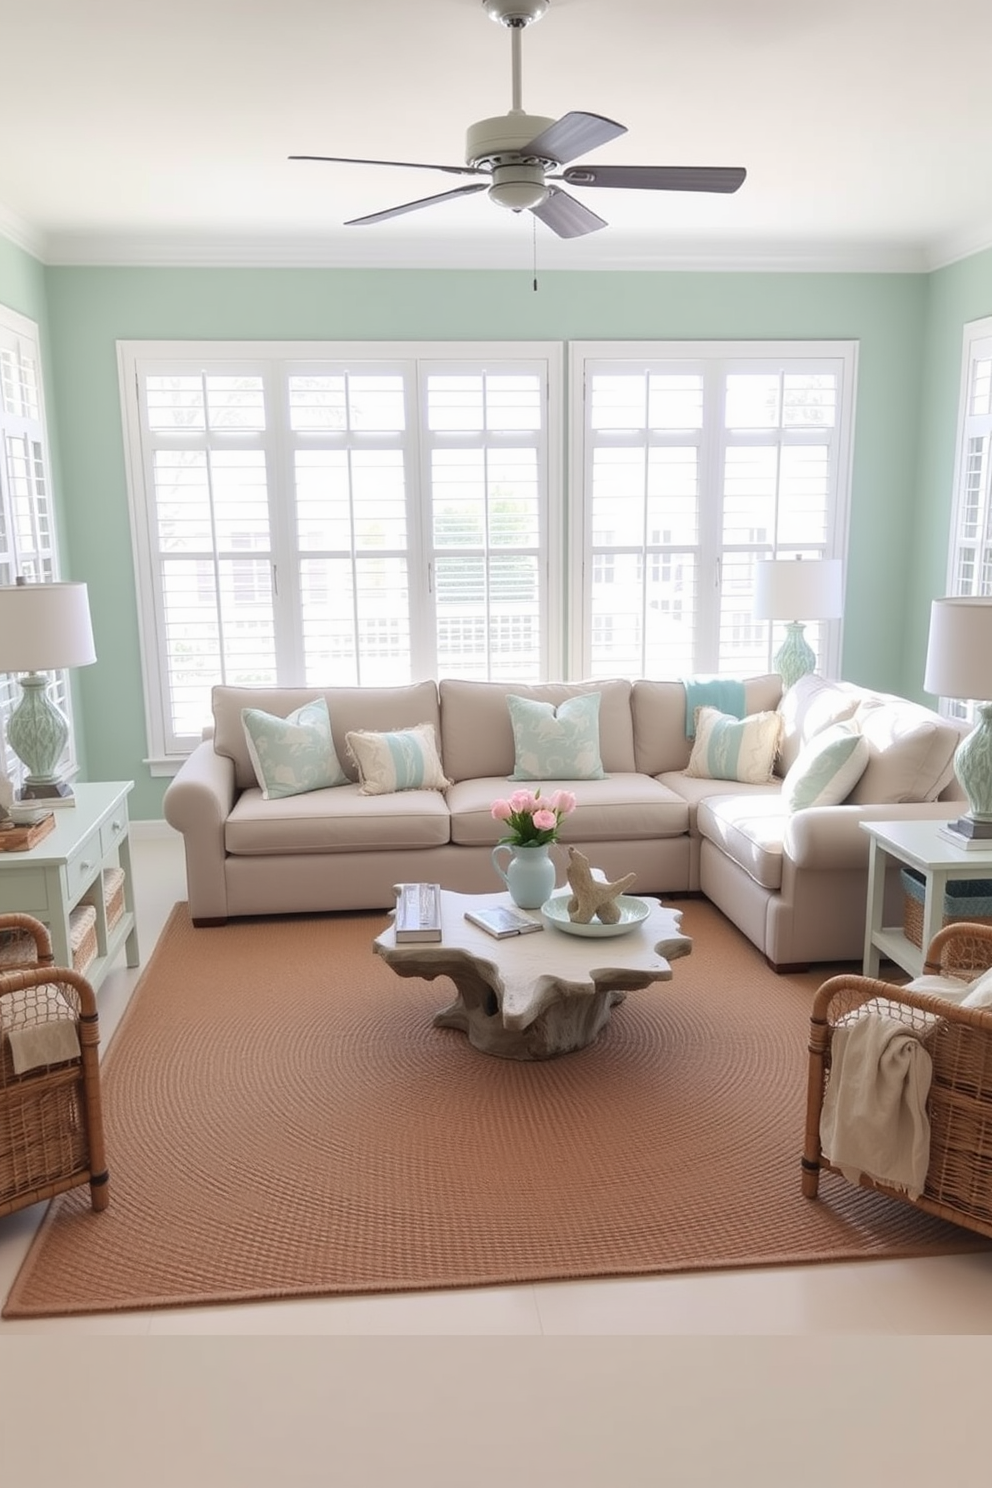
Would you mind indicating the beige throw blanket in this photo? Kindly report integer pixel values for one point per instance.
(874, 1118)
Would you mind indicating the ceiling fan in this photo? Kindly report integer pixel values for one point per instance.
(520, 155)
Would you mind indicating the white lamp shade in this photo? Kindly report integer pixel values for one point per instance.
(45, 627)
(959, 653)
(798, 589)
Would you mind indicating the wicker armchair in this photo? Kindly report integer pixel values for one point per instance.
(958, 1184)
(51, 1124)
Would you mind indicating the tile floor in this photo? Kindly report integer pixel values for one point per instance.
(944, 1295)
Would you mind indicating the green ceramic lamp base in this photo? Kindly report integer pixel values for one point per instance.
(795, 658)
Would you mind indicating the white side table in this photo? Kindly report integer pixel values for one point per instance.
(919, 845)
(66, 869)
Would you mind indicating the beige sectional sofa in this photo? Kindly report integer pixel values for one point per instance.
(795, 883)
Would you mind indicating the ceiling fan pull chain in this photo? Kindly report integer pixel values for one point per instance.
(533, 223)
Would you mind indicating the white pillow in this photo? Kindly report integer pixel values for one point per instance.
(979, 992)
(741, 749)
(404, 760)
(826, 769)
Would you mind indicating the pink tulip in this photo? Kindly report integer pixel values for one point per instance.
(545, 820)
(522, 800)
(501, 810)
(564, 801)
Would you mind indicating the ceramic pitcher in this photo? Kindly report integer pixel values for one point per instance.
(529, 875)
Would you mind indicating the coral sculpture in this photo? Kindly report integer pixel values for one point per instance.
(592, 898)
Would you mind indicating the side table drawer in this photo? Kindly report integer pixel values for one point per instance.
(113, 829)
(82, 867)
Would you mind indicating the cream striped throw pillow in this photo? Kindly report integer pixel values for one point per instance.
(741, 749)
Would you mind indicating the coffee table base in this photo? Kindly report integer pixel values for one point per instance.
(560, 1029)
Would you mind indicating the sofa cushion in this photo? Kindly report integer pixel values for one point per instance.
(401, 760)
(728, 748)
(749, 830)
(827, 768)
(658, 715)
(556, 743)
(807, 707)
(910, 753)
(621, 808)
(348, 707)
(339, 820)
(293, 755)
(477, 738)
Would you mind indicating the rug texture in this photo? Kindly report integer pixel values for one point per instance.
(282, 1120)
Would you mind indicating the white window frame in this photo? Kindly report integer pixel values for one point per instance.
(41, 563)
(976, 346)
(840, 356)
(281, 358)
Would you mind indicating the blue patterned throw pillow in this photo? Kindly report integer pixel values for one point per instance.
(556, 743)
(292, 755)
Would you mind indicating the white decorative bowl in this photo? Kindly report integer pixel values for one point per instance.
(554, 912)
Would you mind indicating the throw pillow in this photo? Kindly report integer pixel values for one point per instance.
(404, 760)
(556, 743)
(295, 754)
(827, 769)
(728, 748)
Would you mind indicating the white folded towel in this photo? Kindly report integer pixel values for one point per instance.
(874, 1119)
(43, 1043)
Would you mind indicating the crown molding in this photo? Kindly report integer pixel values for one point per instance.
(23, 235)
(943, 252)
(250, 250)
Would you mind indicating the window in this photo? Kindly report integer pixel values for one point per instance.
(343, 515)
(696, 461)
(969, 565)
(27, 526)
(373, 513)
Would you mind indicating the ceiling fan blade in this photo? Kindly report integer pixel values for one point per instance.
(414, 206)
(658, 177)
(566, 216)
(572, 135)
(452, 170)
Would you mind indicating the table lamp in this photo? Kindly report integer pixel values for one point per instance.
(796, 590)
(959, 665)
(43, 628)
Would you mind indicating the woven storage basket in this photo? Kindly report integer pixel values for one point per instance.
(113, 894)
(965, 899)
(82, 937)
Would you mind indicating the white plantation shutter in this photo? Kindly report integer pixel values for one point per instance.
(27, 530)
(969, 566)
(698, 461)
(339, 519)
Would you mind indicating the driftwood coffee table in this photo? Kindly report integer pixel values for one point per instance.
(535, 996)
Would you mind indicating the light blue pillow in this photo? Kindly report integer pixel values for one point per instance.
(292, 755)
(826, 769)
(556, 743)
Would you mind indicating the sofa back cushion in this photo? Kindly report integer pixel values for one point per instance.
(807, 707)
(910, 752)
(658, 713)
(349, 708)
(477, 735)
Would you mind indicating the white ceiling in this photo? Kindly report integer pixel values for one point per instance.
(157, 131)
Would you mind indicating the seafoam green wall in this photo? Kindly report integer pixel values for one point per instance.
(955, 295)
(91, 309)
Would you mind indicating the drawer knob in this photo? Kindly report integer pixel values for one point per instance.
(85, 867)
(116, 826)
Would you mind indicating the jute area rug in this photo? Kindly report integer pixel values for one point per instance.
(282, 1120)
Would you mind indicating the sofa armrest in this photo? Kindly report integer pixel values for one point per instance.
(197, 802)
(830, 837)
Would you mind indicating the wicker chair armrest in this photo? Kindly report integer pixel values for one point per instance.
(843, 994)
(25, 924)
(962, 949)
(15, 981)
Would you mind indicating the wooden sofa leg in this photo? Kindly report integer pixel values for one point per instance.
(209, 924)
(784, 968)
